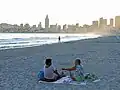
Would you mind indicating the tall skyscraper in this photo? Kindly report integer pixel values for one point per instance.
(111, 22)
(117, 21)
(46, 22)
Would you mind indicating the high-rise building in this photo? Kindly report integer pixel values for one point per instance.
(100, 22)
(111, 22)
(26, 26)
(59, 27)
(64, 27)
(95, 24)
(72, 27)
(85, 26)
(117, 21)
(34, 26)
(104, 22)
(21, 25)
(77, 25)
(46, 22)
(39, 26)
(53, 27)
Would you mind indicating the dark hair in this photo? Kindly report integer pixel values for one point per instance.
(48, 61)
(79, 61)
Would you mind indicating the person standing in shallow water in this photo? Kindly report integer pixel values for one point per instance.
(59, 39)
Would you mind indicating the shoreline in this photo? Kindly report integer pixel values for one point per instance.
(41, 44)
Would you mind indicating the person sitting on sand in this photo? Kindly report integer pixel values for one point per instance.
(50, 73)
(79, 72)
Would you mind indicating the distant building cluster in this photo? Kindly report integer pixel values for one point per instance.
(100, 25)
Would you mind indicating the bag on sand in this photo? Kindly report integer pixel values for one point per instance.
(41, 74)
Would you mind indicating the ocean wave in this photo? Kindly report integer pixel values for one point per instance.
(8, 41)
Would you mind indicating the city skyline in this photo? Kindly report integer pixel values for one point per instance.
(60, 11)
(43, 23)
(109, 21)
(98, 26)
(98, 22)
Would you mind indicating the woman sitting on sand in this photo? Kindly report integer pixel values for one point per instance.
(79, 73)
(50, 73)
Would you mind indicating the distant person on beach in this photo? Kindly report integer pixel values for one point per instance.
(59, 38)
(79, 73)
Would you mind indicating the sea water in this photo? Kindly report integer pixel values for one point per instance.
(21, 40)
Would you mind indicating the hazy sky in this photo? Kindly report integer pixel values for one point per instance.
(59, 11)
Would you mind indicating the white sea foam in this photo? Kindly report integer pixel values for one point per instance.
(21, 40)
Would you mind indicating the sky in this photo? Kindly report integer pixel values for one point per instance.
(59, 11)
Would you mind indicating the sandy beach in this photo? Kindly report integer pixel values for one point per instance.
(19, 67)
